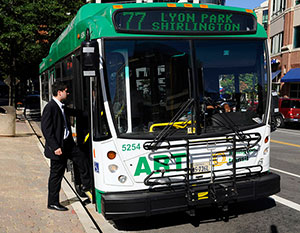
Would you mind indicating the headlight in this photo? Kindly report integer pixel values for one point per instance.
(113, 168)
(122, 179)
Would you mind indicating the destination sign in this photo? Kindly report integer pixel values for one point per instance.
(182, 21)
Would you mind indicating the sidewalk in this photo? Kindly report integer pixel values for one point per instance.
(23, 188)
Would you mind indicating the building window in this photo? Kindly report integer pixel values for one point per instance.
(297, 2)
(265, 19)
(265, 16)
(278, 6)
(295, 91)
(276, 43)
(297, 37)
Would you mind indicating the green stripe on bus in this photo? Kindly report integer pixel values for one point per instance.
(98, 200)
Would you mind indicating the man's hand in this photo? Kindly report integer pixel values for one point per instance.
(227, 108)
(58, 151)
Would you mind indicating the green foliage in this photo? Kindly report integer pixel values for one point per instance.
(246, 82)
(27, 29)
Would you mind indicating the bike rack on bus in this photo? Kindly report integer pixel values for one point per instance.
(220, 186)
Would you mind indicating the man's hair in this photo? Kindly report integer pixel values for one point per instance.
(58, 86)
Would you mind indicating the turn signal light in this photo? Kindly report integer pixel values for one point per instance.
(111, 154)
(266, 139)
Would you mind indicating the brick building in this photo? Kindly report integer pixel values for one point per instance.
(262, 13)
(284, 38)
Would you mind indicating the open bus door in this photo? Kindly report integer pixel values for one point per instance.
(82, 126)
(85, 66)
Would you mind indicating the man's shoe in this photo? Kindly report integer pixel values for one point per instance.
(58, 207)
(86, 188)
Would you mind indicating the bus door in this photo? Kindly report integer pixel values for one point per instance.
(93, 124)
(80, 102)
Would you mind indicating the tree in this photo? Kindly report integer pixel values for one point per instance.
(27, 30)
(246, 83)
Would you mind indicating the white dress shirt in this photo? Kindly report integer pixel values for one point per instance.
(60, 105)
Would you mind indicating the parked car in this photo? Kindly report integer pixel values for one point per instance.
(289, 109)
(32, 109)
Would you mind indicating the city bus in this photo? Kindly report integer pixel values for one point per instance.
(174, 100)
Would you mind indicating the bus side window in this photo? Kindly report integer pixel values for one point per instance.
(58, 71)
(100, 125)
(117, 88)
(68, 79)
(45, 86)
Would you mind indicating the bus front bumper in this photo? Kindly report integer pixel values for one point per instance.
(159, 201)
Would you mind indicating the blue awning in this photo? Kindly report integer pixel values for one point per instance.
(274, 74)
(292, 76)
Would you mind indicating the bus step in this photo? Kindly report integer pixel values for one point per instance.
(89, 195)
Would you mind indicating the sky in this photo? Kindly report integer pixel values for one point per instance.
(249, 4)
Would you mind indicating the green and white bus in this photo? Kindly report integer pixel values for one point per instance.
(175, 99)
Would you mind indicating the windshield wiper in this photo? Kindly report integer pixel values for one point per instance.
(228, 122)
(231, 125)
(152, 145)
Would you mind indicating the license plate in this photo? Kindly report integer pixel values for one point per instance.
(201, 167)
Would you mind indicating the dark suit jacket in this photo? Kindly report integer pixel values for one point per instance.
(52, 123)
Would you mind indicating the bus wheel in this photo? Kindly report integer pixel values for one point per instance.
(279, 121)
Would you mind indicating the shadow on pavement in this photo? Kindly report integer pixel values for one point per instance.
(292, 126)
(204, 215)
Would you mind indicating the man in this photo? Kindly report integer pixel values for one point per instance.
(60, 146)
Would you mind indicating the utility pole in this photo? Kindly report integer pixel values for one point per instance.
(12, 73)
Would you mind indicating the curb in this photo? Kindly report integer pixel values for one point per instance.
(83, 217)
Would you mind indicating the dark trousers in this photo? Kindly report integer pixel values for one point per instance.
(57, 170)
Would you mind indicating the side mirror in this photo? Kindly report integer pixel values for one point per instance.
(90, 58)
(274, 110)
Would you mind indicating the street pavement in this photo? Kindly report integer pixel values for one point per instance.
(24, 175)
(23, 188)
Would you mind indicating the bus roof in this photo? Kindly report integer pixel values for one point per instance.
(98, 18)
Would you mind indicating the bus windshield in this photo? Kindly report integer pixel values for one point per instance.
(149, 82)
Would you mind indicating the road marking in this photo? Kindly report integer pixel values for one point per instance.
(286, 202)
(288, 173)
(285, 143)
